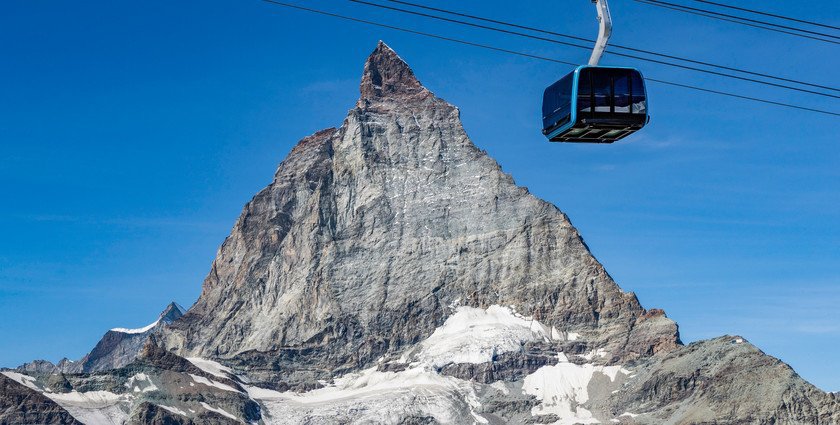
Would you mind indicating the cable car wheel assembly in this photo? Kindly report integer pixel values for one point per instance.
(596, 104)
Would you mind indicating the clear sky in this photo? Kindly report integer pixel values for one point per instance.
(132, 133)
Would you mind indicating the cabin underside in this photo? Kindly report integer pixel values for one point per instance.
(600, 130)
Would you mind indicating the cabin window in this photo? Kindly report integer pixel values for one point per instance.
(557, 101)
(637, 91)
(602, 90)
(584, 100)
(622, 92)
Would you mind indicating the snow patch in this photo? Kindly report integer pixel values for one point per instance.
(378, 397)
(211, 383)
(138, 330)
(563, 387)
(22, 379)
(501, 387)
(141, 383)
(94, 407)
(219, 411)
(93, 399)
(591, 355)
(470, 335)
(474, 335)
(174, 410)
(211, 367)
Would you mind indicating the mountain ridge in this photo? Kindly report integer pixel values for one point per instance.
(116, 348)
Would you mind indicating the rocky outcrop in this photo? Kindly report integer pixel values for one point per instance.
(38, 366)
(725, 380)
(65, 365)
(22, 405)
(151, 414)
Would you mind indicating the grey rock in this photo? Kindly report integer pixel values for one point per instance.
(725, 380)
(510, 407)
(20, 405)
(150, 414)
(37, 366)
(65, 365)
(505, 367)
(58, 382)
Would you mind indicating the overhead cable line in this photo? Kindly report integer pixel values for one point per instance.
(648, 52)
(579, 46)
(528, 55)
(755, 21)
(772, 15)
(744, 21)
(736, 22)
(410, 31)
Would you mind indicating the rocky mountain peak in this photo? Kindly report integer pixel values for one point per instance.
(171, 313)
(370, 235)
(387, 75)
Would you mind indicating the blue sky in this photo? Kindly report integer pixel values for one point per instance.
(132, 134)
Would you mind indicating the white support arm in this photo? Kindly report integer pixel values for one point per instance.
(604, 31)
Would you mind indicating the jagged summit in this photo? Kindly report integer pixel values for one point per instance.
(172, 312)
(386, 74)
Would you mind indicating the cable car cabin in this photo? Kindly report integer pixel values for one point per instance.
(595, 105)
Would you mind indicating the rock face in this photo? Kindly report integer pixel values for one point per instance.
(392, 273)
(370, 233)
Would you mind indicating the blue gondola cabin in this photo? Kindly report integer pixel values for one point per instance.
(595, 104)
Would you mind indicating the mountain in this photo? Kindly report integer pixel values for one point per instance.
(117, 348)
(372, 234)
(391, 272)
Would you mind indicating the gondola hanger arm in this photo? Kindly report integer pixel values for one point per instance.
(604, 31)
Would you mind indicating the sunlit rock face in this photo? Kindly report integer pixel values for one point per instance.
(393, 273)
(370, 232)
